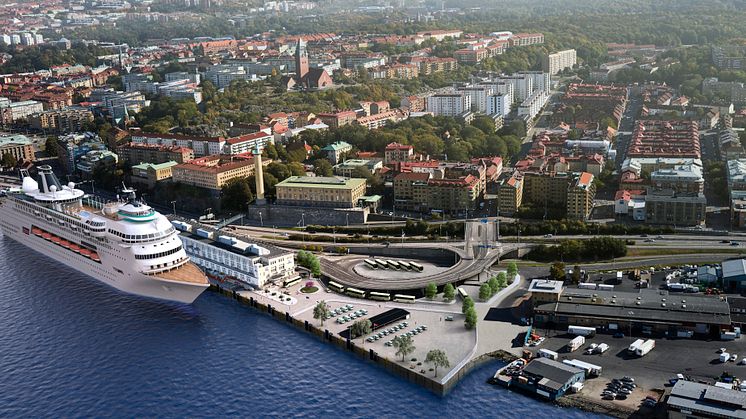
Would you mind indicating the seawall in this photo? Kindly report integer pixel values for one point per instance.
(433, 385)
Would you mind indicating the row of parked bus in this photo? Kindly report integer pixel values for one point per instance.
(399, 265)
(371, 295)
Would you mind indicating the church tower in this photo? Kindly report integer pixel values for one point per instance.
(301, 60)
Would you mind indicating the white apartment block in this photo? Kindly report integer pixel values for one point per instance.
(541, 80)
(478, 96)
(452, 104)
(533, 104)
(554, 63)
(522, 86)
(499, 104)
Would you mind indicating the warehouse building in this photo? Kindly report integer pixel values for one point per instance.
(647, 311)
(547, 378)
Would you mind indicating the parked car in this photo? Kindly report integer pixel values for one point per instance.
(618, 335)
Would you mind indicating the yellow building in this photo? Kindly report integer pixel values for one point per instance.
(320, 191)
(510, 195)
(212, 172)
(150, 174)
(580, 195)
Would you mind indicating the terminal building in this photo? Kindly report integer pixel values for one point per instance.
(320, 191)
(227, 258)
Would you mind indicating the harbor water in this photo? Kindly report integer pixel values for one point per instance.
(72, 347)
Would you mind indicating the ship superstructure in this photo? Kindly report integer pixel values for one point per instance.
(123, 243)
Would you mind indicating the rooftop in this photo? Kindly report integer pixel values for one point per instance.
(555, 373)
(321, 182)
(545, 286)
(146, 166)
(646, 305)
(15, 139)
(711, 400)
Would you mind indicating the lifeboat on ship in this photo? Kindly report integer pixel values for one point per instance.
(95, 257)
(36, 231)
(65, 244)
(74, 247)
(56, 240)
(85, 252)
(46, 236)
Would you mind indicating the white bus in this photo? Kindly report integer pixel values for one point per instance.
(371, 263)
(405, 265)
(462, 293)
(416, 266)
(334, 286)
(393, 264)
(354, 292)
(290, 282)
(403, 298)
(380, 296)
(382, 264)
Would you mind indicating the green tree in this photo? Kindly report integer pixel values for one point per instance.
(485, 291)
(404, 346)
(360, 328)
(502, 280)
(322, 167)
(320, 311)
(8, 161)
(576, 275)
(430, 290)
(438, 358)
(494, 285)
(557, 271)
(471, 318)
(467, 304)
(449, 293)
(50, 146)
(512, 270)
(236, 195)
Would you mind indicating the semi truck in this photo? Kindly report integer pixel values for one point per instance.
(634, 345)
(581, 330)
(546, 353)
(575, 343)
(646, 347)
(590, 369)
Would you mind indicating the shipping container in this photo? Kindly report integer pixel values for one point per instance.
(581, 330)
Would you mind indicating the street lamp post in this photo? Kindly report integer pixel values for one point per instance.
(261, 220)
(173, 204)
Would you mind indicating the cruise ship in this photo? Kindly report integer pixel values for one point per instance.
(125, 244)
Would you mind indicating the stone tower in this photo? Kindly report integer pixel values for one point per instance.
(259, 176)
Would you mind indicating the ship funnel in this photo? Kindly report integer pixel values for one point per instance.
(47, 179)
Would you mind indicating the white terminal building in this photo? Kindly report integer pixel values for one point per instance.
(224, 257)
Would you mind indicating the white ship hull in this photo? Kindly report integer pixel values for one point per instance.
(111, 270)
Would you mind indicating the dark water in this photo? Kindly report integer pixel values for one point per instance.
(72, 347)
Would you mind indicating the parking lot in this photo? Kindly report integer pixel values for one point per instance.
(657, 277)
(695, 358)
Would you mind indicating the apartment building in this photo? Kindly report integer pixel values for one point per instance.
(331, 192)
(154, 154)
(675, 208)
(212, 172)
(248, 143)
(479, 96)
(336, 120)
(446, 104)
(61, 121)
(202, 146)
(335, 151)
(534, 103)
(499, 104)
(580, 195)
(18, 146)
(395, 152)
(683, 178)
(348, 167)
(526, 39)
(11, 112)
(510, 195)
(558, 61)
